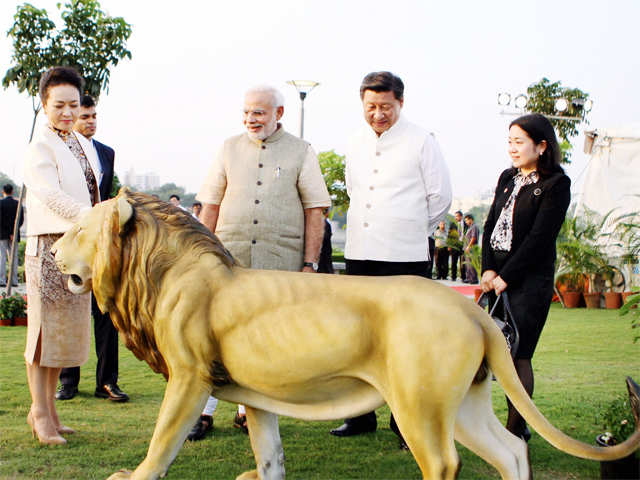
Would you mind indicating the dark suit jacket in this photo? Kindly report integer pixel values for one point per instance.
(106, 156)
(538, 214)
(8, 209)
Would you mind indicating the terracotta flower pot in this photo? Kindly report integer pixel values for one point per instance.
(592, 299)
(612, 300)
(476, 294)
(20, 321)
(571, 299)
(627, 467)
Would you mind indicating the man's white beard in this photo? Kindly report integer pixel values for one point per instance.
(268, 129)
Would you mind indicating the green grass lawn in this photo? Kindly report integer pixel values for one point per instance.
(581, 362)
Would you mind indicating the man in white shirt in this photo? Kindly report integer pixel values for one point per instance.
(399, 190)
(175, 201)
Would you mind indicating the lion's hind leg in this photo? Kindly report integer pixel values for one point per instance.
(264, 434)
(428, 431)
(478, 429)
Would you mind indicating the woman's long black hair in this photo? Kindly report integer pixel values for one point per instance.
(539, 128)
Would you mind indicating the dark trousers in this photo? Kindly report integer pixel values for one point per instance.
(382, 269)
(106, 351)
(455, 257)
(430, 262)
(442, 263)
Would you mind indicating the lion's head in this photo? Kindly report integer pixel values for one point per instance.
(122, 249)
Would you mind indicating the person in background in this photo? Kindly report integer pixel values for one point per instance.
(456, 255)
(399, 190)
(264, 198)
(105, 333)
(471, 238)
(175, 201)
(325, 262)
(8, 211)
(519, 241)
(61, 174)
(442, 251)
(196, 209)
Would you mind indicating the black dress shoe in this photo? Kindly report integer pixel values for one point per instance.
(240, 421)
(66, 392)
(349, 429)
(112, 392)
(200, 429)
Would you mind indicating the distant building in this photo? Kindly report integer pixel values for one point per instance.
(465, 204)
(144, 181)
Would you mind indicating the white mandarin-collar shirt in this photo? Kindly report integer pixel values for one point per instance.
(399, 190)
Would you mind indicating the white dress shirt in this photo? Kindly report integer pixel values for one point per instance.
(99, 170)
(399, 190)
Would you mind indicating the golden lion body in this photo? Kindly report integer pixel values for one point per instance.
(302, 345)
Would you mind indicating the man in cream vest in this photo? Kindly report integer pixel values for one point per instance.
(263, 197)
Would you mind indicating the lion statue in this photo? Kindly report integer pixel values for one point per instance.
(268, 340)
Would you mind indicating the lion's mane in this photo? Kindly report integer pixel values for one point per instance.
(130, 266)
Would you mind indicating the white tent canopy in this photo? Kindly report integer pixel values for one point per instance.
(612, 181)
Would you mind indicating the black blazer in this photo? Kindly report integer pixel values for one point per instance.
(106, 156)
(538, 214)
(8, 209)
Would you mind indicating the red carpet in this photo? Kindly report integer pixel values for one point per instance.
(466, 290)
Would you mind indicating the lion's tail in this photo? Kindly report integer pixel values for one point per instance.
(499, 361)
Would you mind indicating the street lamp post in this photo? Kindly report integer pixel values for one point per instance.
(303, 87)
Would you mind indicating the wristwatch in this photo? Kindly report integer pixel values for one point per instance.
(312, 265)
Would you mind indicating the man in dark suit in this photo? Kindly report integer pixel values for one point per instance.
(8, 209)
(105, 333)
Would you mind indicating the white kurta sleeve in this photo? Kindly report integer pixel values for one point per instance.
(437, 183)
(41, 180)
(215, 184)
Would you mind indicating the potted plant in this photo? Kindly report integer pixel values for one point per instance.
(475, 258)
(13, 310)
(612, 298)
(618, 420)
(577, 255)
(628, 234)
(630, 307)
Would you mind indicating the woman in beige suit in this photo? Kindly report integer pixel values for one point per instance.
(61, 183)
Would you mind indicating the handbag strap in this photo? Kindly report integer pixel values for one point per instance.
(507, 315)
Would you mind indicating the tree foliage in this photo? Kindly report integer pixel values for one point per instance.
(166, 190)
(90, 41)
(5, 179)
(115, 188)
(332, 167)
(542, 98)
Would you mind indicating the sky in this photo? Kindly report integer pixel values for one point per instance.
(170, 107)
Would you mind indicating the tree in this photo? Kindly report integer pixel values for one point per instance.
(116, 186)
(164, 191)
(332, 166)
(90, 41)
(542, 99)
(5, 179)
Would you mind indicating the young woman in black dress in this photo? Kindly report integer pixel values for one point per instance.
(518, 247)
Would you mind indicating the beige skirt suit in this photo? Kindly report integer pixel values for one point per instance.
(61, 180)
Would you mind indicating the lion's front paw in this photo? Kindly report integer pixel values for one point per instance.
(120, 475)
(250, 475)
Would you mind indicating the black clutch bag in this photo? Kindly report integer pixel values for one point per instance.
(507, 323)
